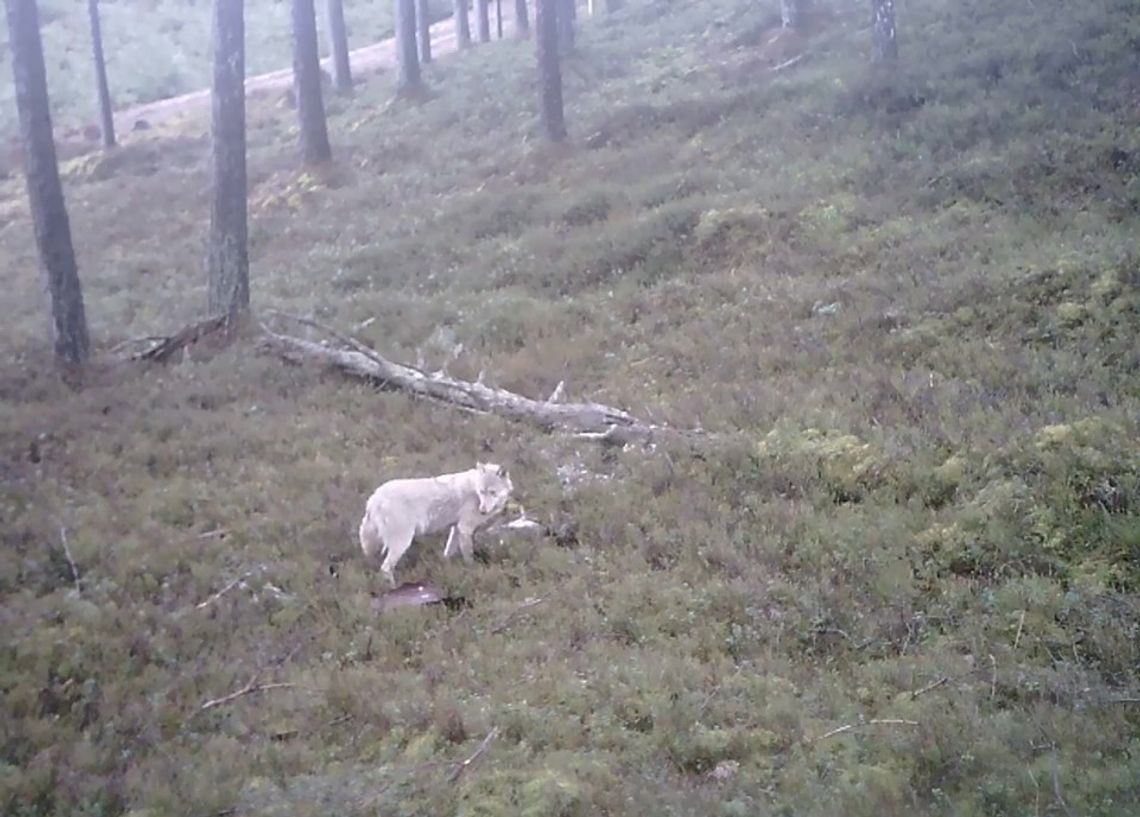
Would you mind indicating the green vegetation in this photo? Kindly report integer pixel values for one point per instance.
(907, 303)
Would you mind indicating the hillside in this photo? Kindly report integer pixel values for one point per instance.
(903, 578)
(157, 49)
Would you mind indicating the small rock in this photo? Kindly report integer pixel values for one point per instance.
(724, 771)
(820, 308)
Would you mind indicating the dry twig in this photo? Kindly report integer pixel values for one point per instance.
(526, 605)
(70, 559)
(462, 766)
(929, 687)
(249, 689)
(873, 722)
(214, 597)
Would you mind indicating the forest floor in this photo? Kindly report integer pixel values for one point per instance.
(902, 578)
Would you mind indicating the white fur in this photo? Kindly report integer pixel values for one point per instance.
(402, 509)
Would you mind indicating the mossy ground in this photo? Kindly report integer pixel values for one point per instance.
(907, 302)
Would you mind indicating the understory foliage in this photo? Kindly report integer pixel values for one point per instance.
(905, 303)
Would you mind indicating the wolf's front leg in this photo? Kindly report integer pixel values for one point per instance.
(466, 543)
(450, 548)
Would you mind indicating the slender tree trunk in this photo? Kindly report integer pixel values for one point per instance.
(462, 24)
(883, 27)
(106, 116)
(613, 5)
(483, 20)
(423, 23)
(499, 17)
(549, 68)
(315, 146)
(228, 255)
(522, 21)
(338, 45)
(790, 13)
(406, 56)
(565, 22)
(45, 193)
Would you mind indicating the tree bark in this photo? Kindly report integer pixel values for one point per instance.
(591, 421)
(522, 20)
(52, 228)
(423, 23)
(564, 18)
(228, 255)
(315, 146)
(409, 76)
(883, 28)
(483, 20)
(338, 45)
(462, 24)
(106, 115)
(549, 69)
(499, 18)
(790, 13)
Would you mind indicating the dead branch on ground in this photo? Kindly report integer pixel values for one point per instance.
(839, 730)
(215, 596)
(462, 766)
(591, 421)
(167, 348)
(514, 614)
(70, 559)
(930, 687)
(252, 687)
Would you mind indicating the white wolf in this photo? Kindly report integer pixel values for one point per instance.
(401, 509)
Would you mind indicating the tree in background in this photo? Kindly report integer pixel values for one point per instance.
(790, 13)
(564, 16)
(228, 254)
(522, 22)
(409, 79)
(462, 25)
(315, 146)
(106, 116)
(423, 20)
(70, 340)
(883, 30)
(483, 20)
(549, 69)
(338, 46)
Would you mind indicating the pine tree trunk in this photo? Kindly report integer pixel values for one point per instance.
(549, 68)
(483, 20)
(499, 18)
(409, 78)
(106, 116)
(315, 146)
(790, 13)
(338, 45)
(883, 27)
(613, 5)
(45, 193)
(228, 255)
(423, 22)
(565, 21)
(462, 24)
(522, 21)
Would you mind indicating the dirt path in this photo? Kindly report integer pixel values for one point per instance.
(363, 60)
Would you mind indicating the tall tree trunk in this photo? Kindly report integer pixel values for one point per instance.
(315, 146)
(790, 13)
(613, 5)
(409, 62)
(549, 68)
(423, 23)
(483, 20)
(499, 17)
(565, 21)
(228, 255)
(45, 193)
(522, 21)
(883, 27)
(106, 116)
(338, 45)
(462, 24)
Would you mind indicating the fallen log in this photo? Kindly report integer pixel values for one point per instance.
(592, 421)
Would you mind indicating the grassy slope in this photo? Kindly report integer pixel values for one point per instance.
(161, 48)
(938, 480)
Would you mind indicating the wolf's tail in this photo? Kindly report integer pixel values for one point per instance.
(370, 541)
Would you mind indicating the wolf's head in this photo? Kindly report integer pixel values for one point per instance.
(493, 485)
